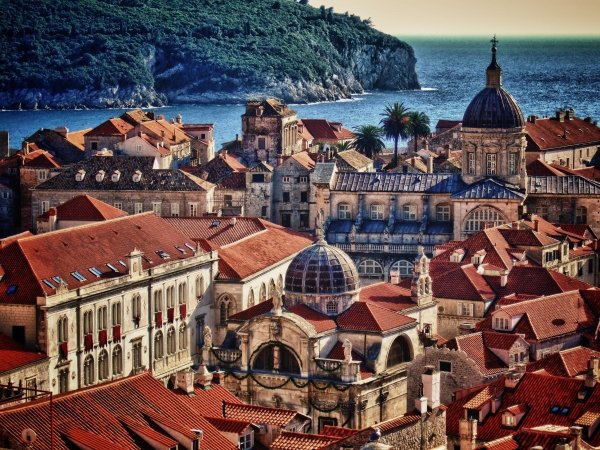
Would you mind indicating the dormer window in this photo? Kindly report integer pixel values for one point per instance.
(100, 176)
(115, 176)
(457, 255)
(508, 420)
(478, 257)
(137, 176)
(500, 323)
(80, 175)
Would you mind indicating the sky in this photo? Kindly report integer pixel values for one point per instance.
(476, 17)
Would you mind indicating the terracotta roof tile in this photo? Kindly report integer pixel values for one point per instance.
(566, 363)
(14, 355)
(475, 347)
(85, 208)
(367, 316)
(339, 432)
(228, 425)
(111, 127)
(93, 441)
(259, 414)
(304, 159)
(321, 322)
(323, 130)
(387, 295)
(301, 441)
(547, 134)
(540, 168)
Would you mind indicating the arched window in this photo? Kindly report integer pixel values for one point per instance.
(332, 307)
(88, 370)
(117, 360)
(581, 214)
(136, 308)
(400, 352)
(182, 296)
(102, 322)
(483, 217)
(116, 314)
(225, 310)
(404, 268)
(271, 288)
(251, 298)
(103, 365)
(344, 212)
(171, 344)
(376, 212)
(276, 358)
(63, 330)
(158, 305)
(263, 293)
(158, 345)
(88, 322)
(370, 268)
(199, 287)
(170, 297)
(182, 336)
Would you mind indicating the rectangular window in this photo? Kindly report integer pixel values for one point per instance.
(63, 380)
(157, 207)
(344, 211)
(18, 334)
(286, 220)
(303, 196)
(376, 212)
(445, 366)
(264, 211)
(490, 164)
(303, 179)
(30, 383)
(102, 312)
(42, 175)
(138, 148)
(443, 213)
(409, 212)
(94, 145)
(262, 143)
(193, 209)
(285, 197)
(136, 350)
(326, 421)
(287, 179)
(175, 209)
(471, 163)
(138, 208)
(44, 206)
(303, 220)
(258, 177)
(246, 441)
(116, 314)
(590, 265)
(512, 163)
(465, 309)
(228, 201)
(118, 205)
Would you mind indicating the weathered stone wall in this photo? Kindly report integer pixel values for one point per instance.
(286, 179)
(562, 208)
(463, 374)
(20, 315)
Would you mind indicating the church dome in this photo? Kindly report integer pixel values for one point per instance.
(321, 269)
(493, 106)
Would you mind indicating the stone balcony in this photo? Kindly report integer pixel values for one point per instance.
(337, 369)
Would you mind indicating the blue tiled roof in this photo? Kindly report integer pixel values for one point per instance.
(340, 226)
(373, 226)
(407, 227)
(398, 182)
(489, 188)
(567, 185)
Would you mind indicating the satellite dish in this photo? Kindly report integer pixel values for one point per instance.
(28, 436)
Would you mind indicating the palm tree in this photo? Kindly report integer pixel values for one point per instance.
(395, 125)
(368, 140)
(343, 146)
(418, 125)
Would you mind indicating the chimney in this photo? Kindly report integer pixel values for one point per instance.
(179, 119)
(563, 444)
(395, 277)
(512, 378)
(467, 429)
(575, 431)
(52, 218)
(591, 377)
(25, 150)
(431, 386)
(430, 164)
(504, 278)
(279, 159)
(532, 119)
(421, 405)
(536, 224)
(63, 131)
(162, 133)
(185, 381)
(447, 151)
(560, 115)
(570, 114)
(233, 221)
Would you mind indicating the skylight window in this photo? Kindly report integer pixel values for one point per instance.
(11, 289)
(163, 254)
(565, 410)
(95, 271)
(122, 263)
(58, 280)
(111, 267)
(181, 250)
(78, 276)
(48, 283)
(190, 246)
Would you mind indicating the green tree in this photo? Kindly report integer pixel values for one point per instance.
(342, 146)
(368, 140)
(395, 124)
(418, 126)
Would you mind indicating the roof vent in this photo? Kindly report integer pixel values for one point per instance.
(137, 176)
(100, 176)
(215, 223)
(115, 176)
(558, 322)
(80, 175)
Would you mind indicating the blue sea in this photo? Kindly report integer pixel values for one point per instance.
(541, 73)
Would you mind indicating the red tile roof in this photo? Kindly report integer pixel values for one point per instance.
(228, 425)
(323, 130)
(259, 414)
(268, 243)
(548, 134)
(93, 441)
(111, 127)
(339, 432)
(458, 281)
(304, 159)
(475, 348)
(387, 295)
(367, 316)
(301, 441)
(14, 355)
(29, 260)
(337, 352)
(144, 431)
(85, 208)
(566, 363)
(321, 322)
(209, 402)
(540, 168)
(108, 410)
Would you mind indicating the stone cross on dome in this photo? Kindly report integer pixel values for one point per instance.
(494, 72)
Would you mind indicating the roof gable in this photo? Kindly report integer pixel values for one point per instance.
(367, 316)
(489, 189)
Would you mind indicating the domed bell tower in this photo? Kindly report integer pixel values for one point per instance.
(421, 285)
(493, 133)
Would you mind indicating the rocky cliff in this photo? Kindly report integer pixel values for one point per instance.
(295, 52)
